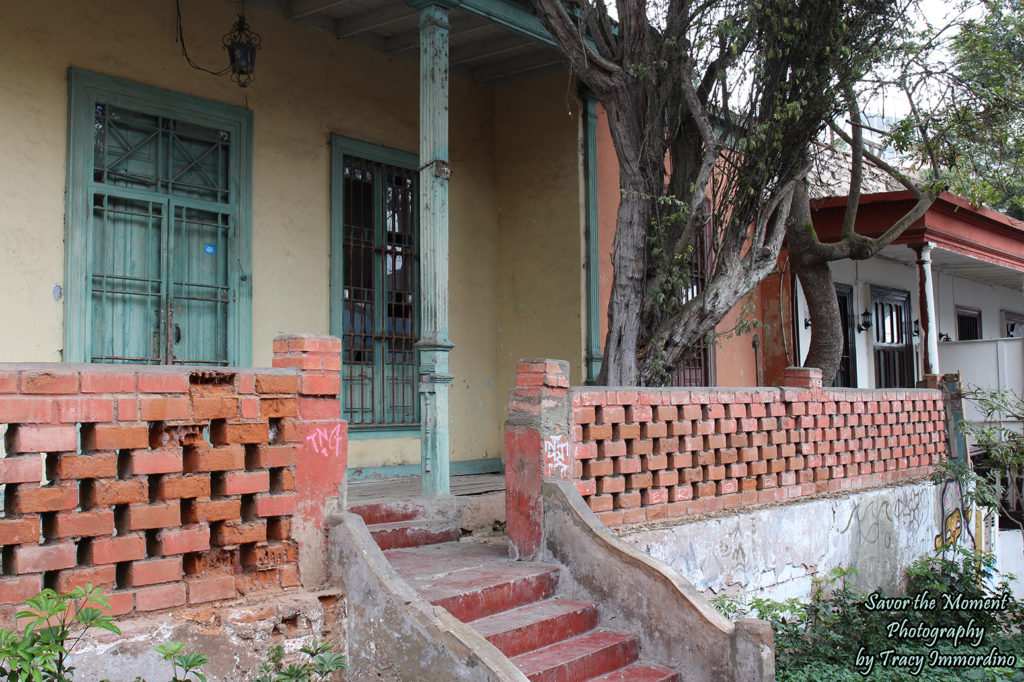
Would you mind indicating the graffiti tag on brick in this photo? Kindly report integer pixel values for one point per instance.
(556, 457)
(326, 440)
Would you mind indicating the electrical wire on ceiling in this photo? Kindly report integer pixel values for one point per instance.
(180, 39)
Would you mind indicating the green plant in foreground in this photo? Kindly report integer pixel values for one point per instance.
(40, 652)
(320, 663)
(189, 662)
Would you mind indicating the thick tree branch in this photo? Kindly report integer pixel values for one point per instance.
(922, 129)
(594, 70)
(856, 165)
(891, 170)
(711, 152)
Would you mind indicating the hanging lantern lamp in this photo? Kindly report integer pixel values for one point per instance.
(241, 43)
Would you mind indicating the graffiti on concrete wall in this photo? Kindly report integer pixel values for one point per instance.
(956, 518)
(875, 528)
(870, 525)
(557, 463)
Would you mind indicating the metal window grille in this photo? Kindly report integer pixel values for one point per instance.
(846, 376)
(894, 366)
(968, 324)
(381, 293)
(160, 233)
(696, 366)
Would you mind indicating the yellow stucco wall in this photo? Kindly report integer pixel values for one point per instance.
(308, 86)
(540, 240)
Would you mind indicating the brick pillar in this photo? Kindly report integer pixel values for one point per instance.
(538, 444)
(323, 450)
(801, 377)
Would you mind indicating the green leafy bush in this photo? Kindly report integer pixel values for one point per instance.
(833, 636)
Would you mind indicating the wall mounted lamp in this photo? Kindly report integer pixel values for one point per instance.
(865, 321)
(917, 328)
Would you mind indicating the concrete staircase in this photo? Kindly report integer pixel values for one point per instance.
(513, 604)
(405, 524)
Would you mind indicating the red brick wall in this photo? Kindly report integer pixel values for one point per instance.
(644, 455)
(163, 486)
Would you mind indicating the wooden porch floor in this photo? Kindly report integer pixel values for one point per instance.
(406, 488)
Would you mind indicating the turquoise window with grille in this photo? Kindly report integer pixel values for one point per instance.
(375, 282)
(159, 214)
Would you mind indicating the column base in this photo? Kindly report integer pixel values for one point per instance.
(434, 415)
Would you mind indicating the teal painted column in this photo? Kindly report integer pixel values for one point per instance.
(593, 270)
(434, 345)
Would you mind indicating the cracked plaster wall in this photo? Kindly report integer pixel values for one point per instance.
(776, 551)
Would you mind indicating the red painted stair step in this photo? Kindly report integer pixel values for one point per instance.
(387, 512)
(448, 557)
(580, 658)
(639, 673)
(472, 594)
(536, 625)
(413, 533)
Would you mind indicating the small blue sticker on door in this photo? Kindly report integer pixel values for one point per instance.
(210, 249)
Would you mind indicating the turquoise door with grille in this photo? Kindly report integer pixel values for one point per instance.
(158, 227)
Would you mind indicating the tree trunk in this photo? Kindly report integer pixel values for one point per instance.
(619, 366)
(826, 348)
(812, 269)
(640, 180)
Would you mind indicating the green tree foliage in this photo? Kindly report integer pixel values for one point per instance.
(714, 109)
(986, 120)
(962, 87)
(993, 478)
(711, 106)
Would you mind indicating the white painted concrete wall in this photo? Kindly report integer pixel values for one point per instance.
(950, 292)
(987, 363)
(1010, 558)
(776, 551)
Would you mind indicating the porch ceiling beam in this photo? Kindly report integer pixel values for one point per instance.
(411, 39)
(485, 49)
(370, 21)
(512, 67)
(510, 16)
(403, 42)
(297, 9)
